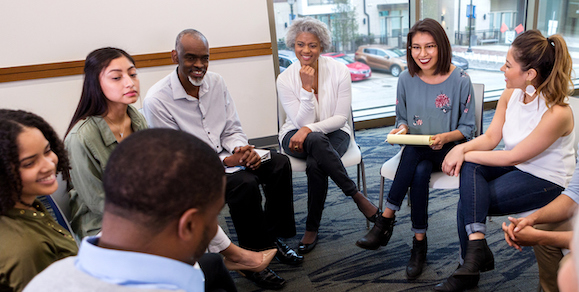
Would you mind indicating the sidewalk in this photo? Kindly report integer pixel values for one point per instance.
(489, 57)
(492, 57)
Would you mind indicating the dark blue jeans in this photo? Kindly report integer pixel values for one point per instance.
(322, 153)
(416, 165)
(497, 191)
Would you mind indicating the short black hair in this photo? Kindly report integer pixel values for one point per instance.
(12, 123)
(192, 32)
(432, 27)
(155, 175)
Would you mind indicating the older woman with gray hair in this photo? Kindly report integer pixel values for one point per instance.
(316, 96)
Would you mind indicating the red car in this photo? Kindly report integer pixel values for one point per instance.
(358, 71)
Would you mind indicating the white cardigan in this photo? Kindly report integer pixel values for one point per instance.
(326, 114)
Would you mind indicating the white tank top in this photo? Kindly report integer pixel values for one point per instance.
(557, 163)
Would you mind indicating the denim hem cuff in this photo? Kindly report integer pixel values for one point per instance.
(475, 227)
(418, 230)
(392, 206)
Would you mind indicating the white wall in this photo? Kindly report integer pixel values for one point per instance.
(36, 32)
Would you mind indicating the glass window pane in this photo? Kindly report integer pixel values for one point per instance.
(479, 39)
(362, 30)
(561, 17)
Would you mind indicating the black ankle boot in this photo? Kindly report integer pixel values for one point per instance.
(379, 235)
(478, 258)
(417, 258)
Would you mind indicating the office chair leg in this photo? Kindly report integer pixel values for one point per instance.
(362, 170)
(381, 197)
(358, 177)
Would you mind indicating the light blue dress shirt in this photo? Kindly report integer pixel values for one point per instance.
(572, 190)
(136, 269)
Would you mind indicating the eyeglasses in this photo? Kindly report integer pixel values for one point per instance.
(428, 48)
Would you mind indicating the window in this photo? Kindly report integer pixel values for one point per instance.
(561, 17)
(480, 37)
(362, 29)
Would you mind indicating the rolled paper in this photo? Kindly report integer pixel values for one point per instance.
(409, 139)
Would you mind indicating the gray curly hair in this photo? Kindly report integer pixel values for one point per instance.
(311, 25)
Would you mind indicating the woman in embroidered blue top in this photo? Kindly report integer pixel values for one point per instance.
(434, 98)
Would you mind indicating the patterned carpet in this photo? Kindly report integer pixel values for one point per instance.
(337, 264)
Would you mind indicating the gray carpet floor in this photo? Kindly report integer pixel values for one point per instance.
(337, 264)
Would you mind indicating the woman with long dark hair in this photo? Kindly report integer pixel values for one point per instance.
(105, 117)
(536, 124)
(434, 97)
(31, 155)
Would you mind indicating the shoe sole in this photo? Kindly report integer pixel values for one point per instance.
(485, 268)
(369, 248)
(408, 277)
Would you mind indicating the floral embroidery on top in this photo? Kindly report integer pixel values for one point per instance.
(417, 121)
(442, 102)
(466, 104)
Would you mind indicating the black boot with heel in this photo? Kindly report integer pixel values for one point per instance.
(417, 258)
(379, 235)
(478, 258)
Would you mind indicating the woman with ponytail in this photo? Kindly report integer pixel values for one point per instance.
(536, 125)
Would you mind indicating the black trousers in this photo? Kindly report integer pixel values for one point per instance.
(258, 226)
(323, 154)
(217, 277)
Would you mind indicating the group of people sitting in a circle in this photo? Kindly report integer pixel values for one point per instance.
(533, 171)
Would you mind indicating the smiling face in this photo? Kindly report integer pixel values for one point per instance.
(193, 59)
(119, 81)
(515, 77)
(424, 51)
(308, 49)
(37, 165)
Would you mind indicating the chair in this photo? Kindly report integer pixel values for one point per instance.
(353, 155)
(60, 203)
(438, 180)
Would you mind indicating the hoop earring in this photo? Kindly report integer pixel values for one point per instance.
(530, 89)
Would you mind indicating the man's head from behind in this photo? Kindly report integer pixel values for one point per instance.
(162, 180)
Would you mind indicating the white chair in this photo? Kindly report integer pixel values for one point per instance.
(353, 155)
(438, 180)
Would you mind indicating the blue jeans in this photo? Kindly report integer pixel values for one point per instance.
(497, 191)
(322, 153)
(414, 169)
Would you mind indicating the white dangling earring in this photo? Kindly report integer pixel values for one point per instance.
(530, 89)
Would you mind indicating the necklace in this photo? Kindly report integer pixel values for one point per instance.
(121, 130)
(26, 204)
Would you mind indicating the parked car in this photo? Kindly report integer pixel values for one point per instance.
(358, 71)
(382, 57)
(286, 58)
(459, 62)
